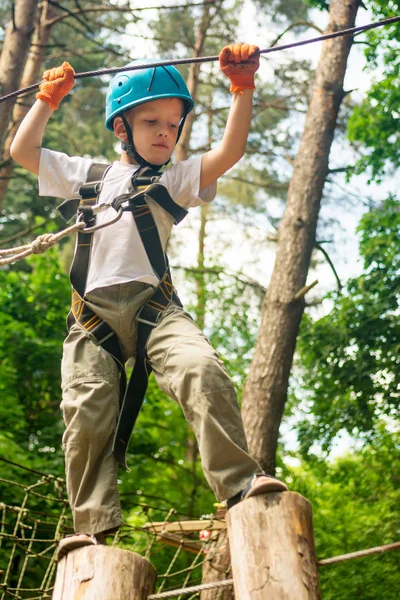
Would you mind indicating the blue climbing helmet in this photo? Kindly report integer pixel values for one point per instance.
(131, 88)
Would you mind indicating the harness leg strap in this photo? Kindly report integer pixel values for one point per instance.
(134, 397)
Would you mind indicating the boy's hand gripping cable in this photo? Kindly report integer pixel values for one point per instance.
(239, 62)
(57, 92)
(56, 84)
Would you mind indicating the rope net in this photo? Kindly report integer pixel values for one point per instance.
(35, 515)
(189, 555)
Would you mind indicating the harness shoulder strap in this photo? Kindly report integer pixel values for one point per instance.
(148, 179)
(94, 180)
(88, 191)
(159, 194)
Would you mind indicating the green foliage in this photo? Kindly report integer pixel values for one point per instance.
(176, 29)
(355, 506)
(321, 4)
(33, 304)
(233, 311)
(349, 358)
(374, 124)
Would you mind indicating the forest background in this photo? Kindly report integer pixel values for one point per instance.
(344, 379)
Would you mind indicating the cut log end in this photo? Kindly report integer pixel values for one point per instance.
(103, 572)
(272, 548)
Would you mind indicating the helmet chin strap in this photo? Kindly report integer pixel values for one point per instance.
(133, 153)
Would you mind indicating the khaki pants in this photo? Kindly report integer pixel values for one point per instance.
(186, 368)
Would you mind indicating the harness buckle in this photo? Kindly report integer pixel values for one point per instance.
(90, 190)
(150, 313)
(85, 213)
(95, 340)
(146, 322)
(98, 187)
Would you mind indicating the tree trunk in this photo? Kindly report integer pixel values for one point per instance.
(104, 573)
(265, 390)
(31, 75)
(272, 546)
(217, 567)
(13, 55)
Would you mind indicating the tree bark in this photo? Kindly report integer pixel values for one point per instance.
(104, 572)
(217, 567)
(265, 390)
(31, 75)
(276, 558)
(13, 55)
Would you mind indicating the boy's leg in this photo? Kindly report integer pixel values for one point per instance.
(189, 370)
(90, 384)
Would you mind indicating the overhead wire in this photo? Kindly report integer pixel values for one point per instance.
(200, 59)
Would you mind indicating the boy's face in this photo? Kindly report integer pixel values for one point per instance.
(155, 128)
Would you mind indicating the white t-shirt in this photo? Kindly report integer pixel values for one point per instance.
(117, 254)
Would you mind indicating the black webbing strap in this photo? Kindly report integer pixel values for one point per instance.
(89, 192)
(98, 330)
(147, 319)
(157, 192)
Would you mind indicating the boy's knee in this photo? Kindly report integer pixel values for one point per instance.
(196, 370)
(191, 357)
(90, 409)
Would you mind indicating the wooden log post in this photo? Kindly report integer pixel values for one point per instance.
(272, 548)
(104, 573)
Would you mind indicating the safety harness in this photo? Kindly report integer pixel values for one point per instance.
(143, 184)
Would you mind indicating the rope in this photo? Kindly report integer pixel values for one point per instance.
(359, 554)
(184, 61)
(189, 590)
(38, 246)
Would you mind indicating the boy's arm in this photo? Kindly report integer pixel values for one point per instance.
(239, 62)
(26, 146)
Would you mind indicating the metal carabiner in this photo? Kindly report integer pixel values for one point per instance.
(100, 208)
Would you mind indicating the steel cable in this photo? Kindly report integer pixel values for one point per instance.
(200, 59)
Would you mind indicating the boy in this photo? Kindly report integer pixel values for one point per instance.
(146, 109)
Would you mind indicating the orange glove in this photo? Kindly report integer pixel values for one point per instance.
(56, 84)
(239, 62)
